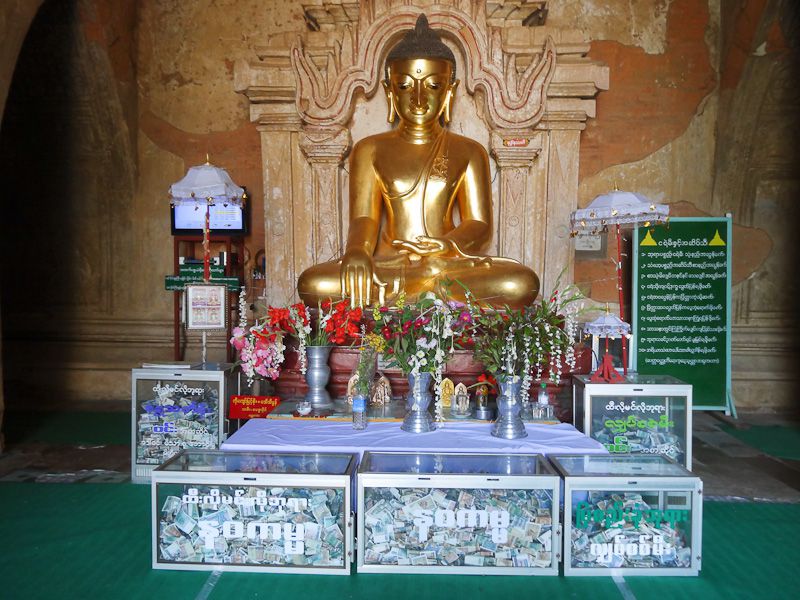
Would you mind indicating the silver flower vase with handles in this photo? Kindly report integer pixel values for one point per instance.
(317, 375)
(418, 419)
(509, 424)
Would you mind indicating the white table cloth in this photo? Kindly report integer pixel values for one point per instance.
(269, 435)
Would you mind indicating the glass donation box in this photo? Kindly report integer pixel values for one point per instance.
(173, 409)
(253, 512)
(488, 514)
(630, 515)
(646, 414)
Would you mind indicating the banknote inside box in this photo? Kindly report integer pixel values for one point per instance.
(625, 529)
(252, 524)
(475, 514)
(630, 515)
(646, 414)
(458, 527)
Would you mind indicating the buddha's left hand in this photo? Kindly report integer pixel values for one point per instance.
(424, 245)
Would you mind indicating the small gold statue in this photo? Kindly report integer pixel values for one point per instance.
(447, 390)
(415, 179)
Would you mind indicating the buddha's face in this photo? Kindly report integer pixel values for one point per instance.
(420, 88)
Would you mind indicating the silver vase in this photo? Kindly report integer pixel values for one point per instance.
(418, 419)
(509, 425)
(317, 375)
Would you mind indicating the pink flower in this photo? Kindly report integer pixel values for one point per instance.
(238, 340)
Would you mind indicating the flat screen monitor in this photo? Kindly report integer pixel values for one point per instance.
(223, 220)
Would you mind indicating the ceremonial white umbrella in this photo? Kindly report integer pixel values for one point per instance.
(205, 185)
(618, 208)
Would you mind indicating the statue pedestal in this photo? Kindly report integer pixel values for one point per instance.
(461, 368)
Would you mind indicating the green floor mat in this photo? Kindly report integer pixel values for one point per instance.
(74, 428)
(93, 541)
(775, 440)
(749, 551)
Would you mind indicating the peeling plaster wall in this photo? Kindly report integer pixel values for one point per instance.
(679, 123)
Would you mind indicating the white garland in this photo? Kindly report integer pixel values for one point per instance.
(303, 331)
(437, 331)
(526, 369)
(243, 308)
(571, 331)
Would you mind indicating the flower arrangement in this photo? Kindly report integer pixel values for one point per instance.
(260, 347)
(293, 320)
(556, 331)
(365, 371)
(336, 324)
(514, 343)
(339, 324)
(420, 337)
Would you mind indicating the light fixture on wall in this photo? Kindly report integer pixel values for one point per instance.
(618, 208)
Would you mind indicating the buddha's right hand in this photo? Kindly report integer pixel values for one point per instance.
(356, 277)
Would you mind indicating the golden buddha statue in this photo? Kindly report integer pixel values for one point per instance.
(406, 185)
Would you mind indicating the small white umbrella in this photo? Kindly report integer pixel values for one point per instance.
(610, 327)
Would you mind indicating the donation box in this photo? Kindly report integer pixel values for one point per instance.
(630, 515)
(646, 414)
(488, 514)
(253, 512)
(173, 409)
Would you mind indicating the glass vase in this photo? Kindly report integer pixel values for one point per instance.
(509, 424)
(418, 419)
(317, 375)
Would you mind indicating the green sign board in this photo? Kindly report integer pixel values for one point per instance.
(682, 306)
(197, 269)
(176, 283)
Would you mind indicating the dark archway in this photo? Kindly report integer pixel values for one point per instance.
(66, 166)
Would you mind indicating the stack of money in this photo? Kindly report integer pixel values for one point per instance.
(655, 440)
(458, 527)
(172, 420)
(621, 530)
(254, 525)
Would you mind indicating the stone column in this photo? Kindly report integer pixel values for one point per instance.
(562, 193)
(521, 211)
(325, 148)
(278, 138)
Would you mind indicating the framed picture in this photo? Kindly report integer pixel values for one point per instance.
(207, 306)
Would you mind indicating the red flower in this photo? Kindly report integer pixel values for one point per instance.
(278, 317)
(487, 378)
(301, 311)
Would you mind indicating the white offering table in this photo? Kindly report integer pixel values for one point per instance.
(266, 435)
